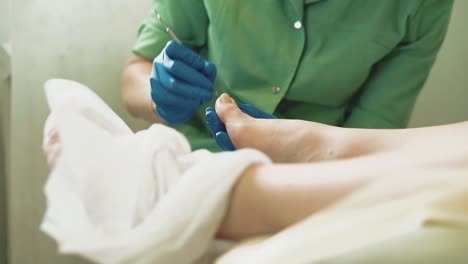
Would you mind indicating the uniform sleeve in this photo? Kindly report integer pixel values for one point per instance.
(388, 97)
(188, 19)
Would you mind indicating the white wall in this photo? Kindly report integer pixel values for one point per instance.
(4, 20)
(4, 138)
(84, 40)
(4, 117)
(445, 97)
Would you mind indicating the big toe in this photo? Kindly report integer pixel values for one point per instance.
(227, 110)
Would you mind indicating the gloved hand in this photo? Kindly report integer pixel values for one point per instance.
(181, 81)
(218, 129)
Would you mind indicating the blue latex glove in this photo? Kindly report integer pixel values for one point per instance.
(218, 129)
(181, 81)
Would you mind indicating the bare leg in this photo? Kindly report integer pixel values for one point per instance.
(268, 198)
(288, 141)
(294, 140)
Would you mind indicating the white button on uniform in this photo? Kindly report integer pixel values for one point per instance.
(276, 90)
(298, 24)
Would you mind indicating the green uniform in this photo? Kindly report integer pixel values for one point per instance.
(347, 63)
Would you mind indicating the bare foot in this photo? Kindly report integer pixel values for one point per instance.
(296, 141)
(282, 140)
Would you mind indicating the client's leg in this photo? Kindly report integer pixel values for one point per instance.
(268, 198)
(301, 141)
(294, 140)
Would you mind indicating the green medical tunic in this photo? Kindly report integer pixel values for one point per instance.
(350, 63)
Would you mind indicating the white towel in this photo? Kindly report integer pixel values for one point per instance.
(119, 197)
(391, 207)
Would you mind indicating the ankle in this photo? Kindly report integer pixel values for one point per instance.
(326, 142)
(350, 143)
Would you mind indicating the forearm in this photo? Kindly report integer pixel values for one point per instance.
(136, 89)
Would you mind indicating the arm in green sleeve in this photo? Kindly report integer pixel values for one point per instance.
(388, 97)
(188, 19)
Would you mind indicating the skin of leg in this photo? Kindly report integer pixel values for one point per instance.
(268, 198)
(293, 141)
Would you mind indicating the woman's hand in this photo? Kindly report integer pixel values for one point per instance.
(181, 81)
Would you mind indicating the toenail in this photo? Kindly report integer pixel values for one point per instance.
(225, 98)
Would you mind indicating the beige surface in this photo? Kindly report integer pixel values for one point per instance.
(433, 245)
(389, 209)
(428, 246)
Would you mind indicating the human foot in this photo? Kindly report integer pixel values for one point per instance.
(282, 140)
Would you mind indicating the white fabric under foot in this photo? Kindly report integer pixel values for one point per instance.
(115, 196)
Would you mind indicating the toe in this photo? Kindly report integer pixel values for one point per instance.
(227, 110)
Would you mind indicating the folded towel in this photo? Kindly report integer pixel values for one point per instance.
(115, 196)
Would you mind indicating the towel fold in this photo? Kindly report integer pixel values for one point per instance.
(115, 196)
(391, 207)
